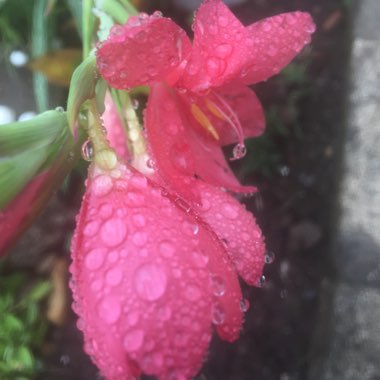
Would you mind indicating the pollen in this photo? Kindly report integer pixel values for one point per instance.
(204, 121)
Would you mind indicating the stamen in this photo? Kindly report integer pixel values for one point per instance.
(230, 116)
(203, 120)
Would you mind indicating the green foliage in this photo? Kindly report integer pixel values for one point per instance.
(22, 327)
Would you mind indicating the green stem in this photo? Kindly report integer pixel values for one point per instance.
(39, 47)
(87, 27)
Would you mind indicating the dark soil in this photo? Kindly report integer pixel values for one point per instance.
(297, 179)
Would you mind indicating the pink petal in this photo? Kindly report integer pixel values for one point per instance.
(116, 134)
(182, 150)
(237, 228)
(224, 51)
(141, 280)
(273, 43)
(217, 48)
(145, 50)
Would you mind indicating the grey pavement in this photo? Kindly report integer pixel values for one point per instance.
(347, 337)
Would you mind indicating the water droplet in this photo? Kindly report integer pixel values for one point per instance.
(150, 282)
(150, 163)
(102, 185)
(223, 21)
(135, 104)
(230, 211)
(223, 50)
(139, 220)
(269, 257)
(218, 314)
(60, 109)
(272, 50)
(290, 18)
(140, 238)
(244, 305)
(218, 286)
(238, 152)
(95, 258)
(91, 228)
(215, 66)
(114, 276)
(193, 293)
(87, 151)
(133, 340)
(113, 232)
(181, 203)
(166, 248)
(109, 309)
(261, 281)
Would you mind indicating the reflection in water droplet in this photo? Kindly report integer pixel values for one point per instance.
(87, 151)
(218, 314)
(135, 104)
(238, 152)
(218, 286)
(269, 257)
(244, 305)
(150, 282)
(261, 281)
(60, 109)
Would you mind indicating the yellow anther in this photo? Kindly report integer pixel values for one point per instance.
(214, 109)
(203, 120)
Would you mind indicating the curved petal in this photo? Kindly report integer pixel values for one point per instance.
(237, 228)
(224, 51)
(181, 148)
(231, 108)
(145, 50)
(141, 279)
(217, 54)
(115, 132)
(273, 43)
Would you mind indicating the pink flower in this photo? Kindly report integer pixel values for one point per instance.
(206, 83)
(149, 279)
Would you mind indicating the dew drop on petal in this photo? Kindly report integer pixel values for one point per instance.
(95, 258)
(215, 66)
(244, 305)
(87, 151)
(140, 238)
(223, 50)
(114, 276)
(150, 282)
(269, 257)
(113, 232)
(218, 314)
(218, 286)
(102, 185)
(91, 228)
(109, 309)
(133, 340)
(166, 248)
(230, 211)
(261, 281)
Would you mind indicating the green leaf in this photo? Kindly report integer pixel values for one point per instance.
(30, 134)
(39, 291)
(16, 171)
(25, 357)
(82, 88)
(12, 324)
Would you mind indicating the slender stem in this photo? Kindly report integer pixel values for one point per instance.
(87, 26)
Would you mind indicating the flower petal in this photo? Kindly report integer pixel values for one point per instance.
(217, 54)
(237, 228)
(141, 279)
(116, 134)
(145, 50)
(182, 150)
(225, 51)
(273, 43)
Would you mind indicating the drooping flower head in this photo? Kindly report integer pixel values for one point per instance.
(155, 259)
